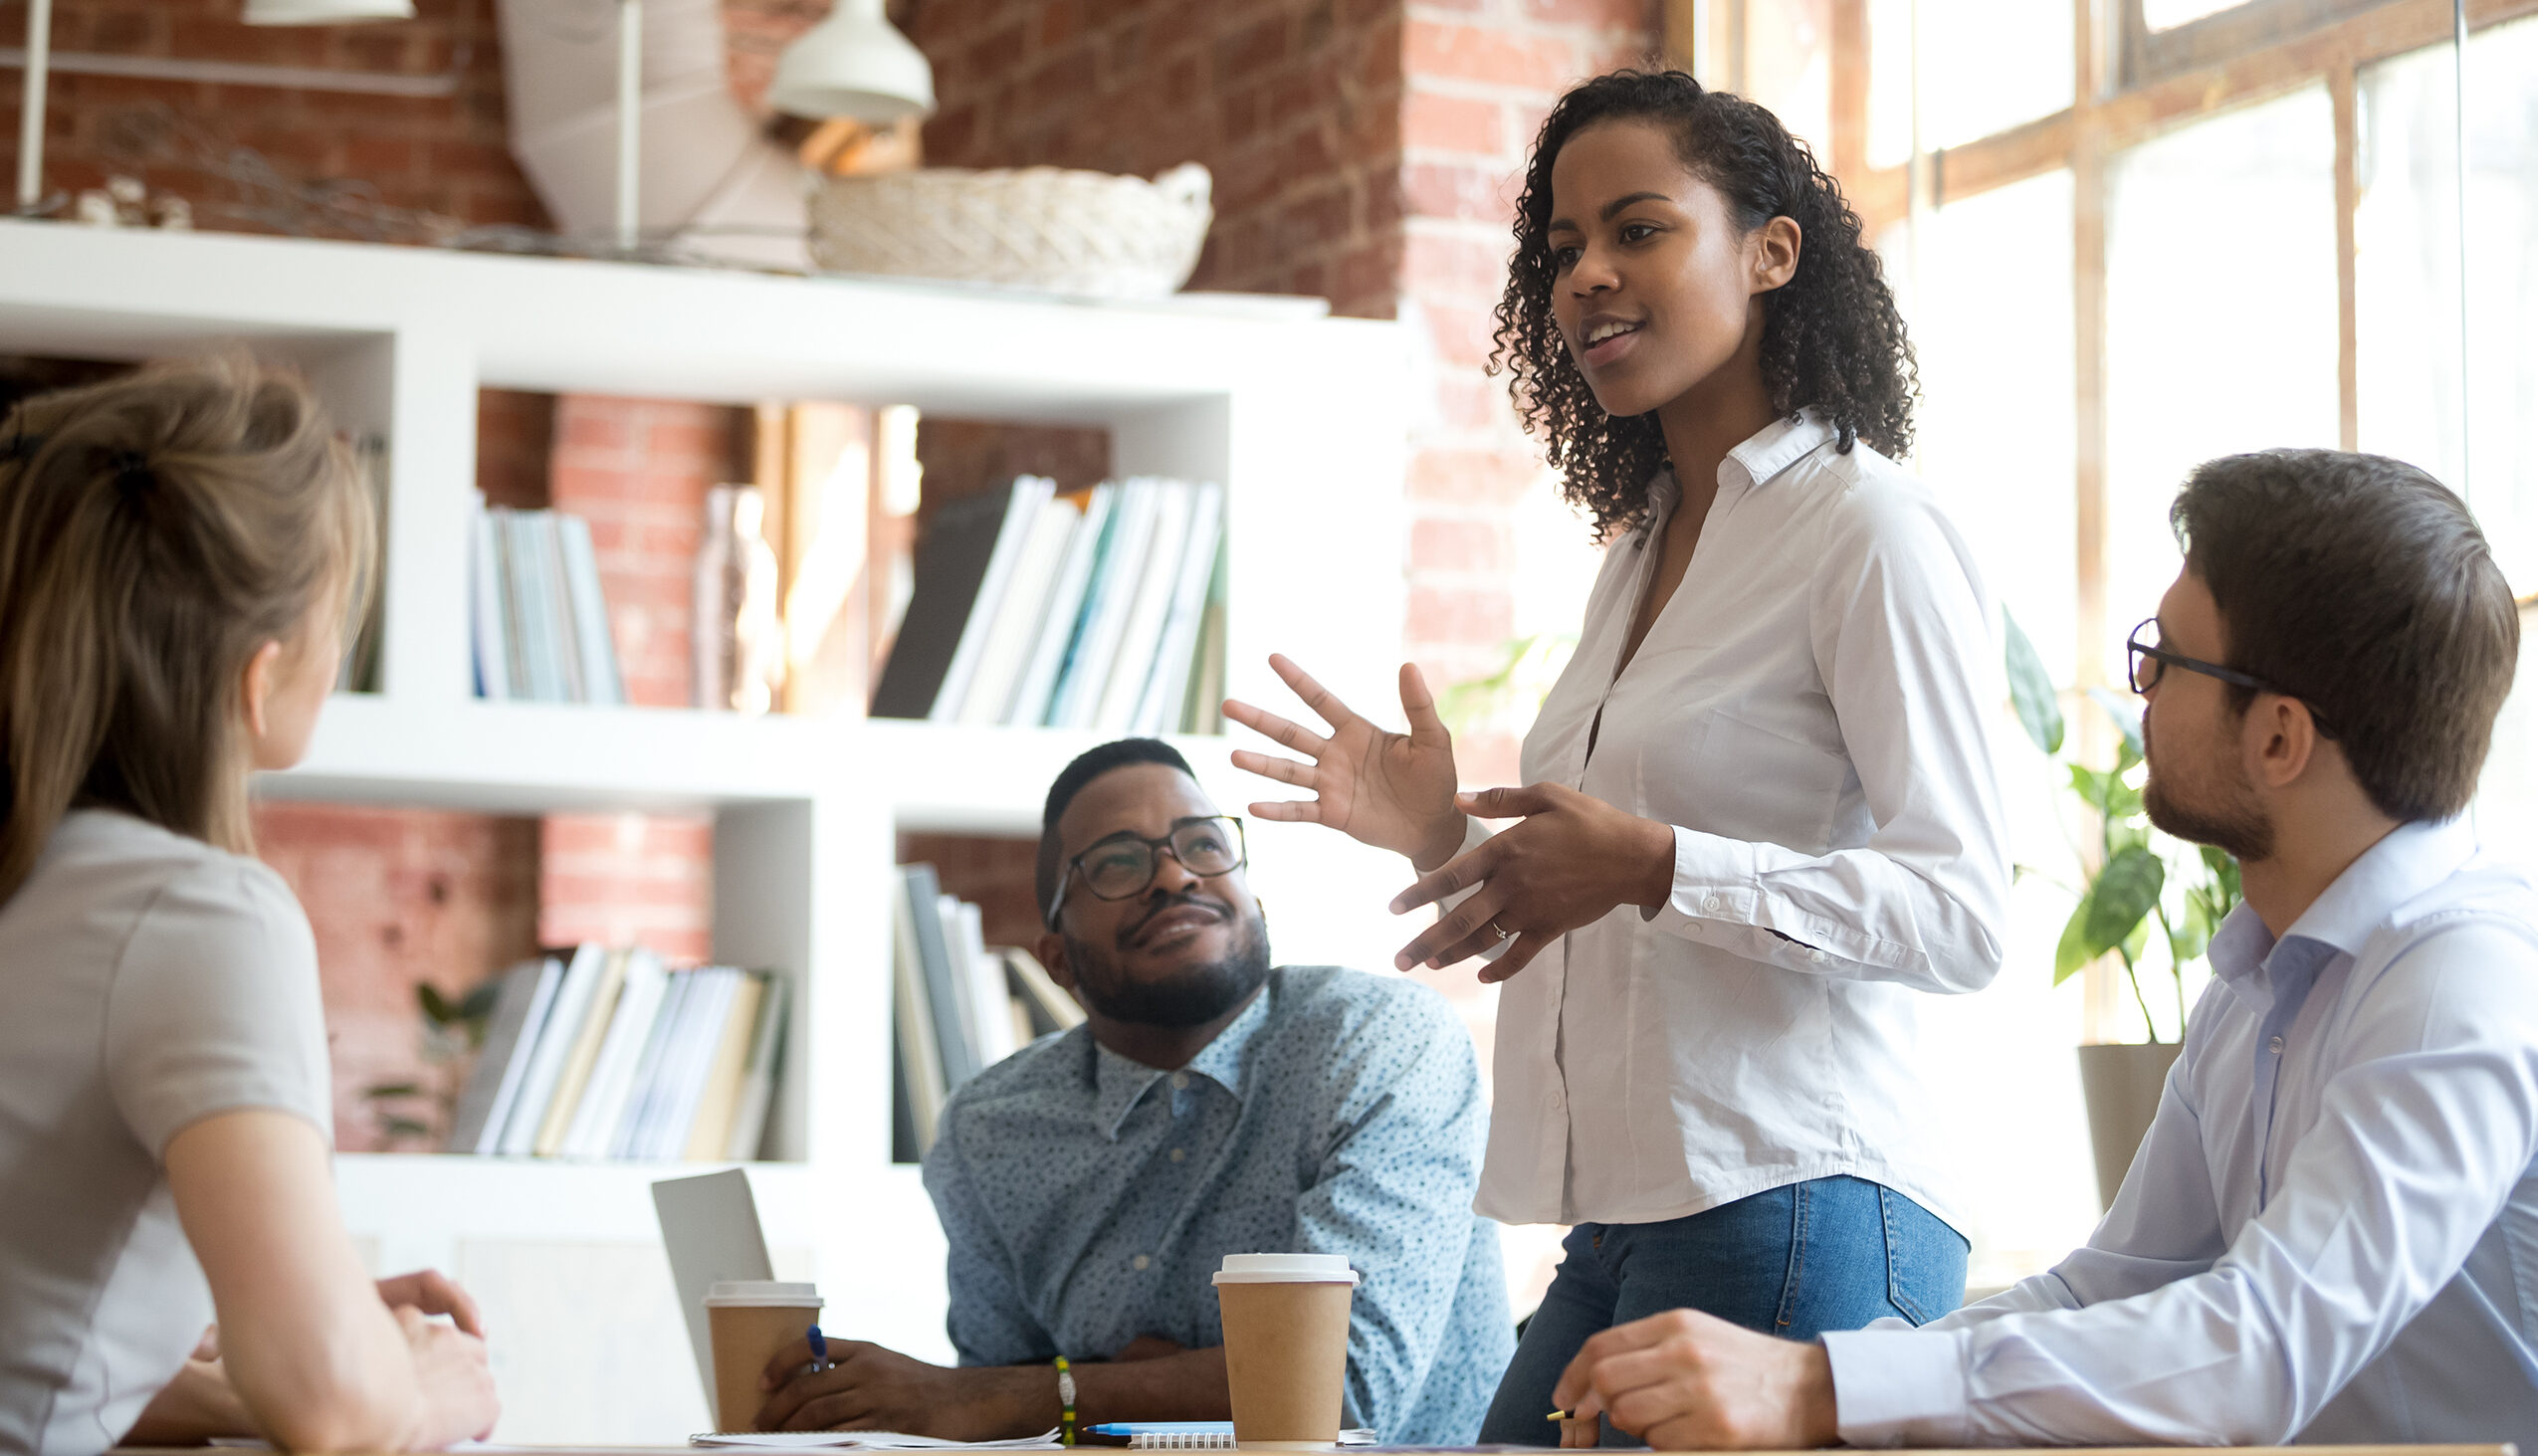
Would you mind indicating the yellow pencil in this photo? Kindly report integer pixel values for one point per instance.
(1560, 1415)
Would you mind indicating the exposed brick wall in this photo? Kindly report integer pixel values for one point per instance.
(397, 898)
(1294, 106)
(446, 156)
(625, 878)
(992, 874)
(965, 457)
(515, 435)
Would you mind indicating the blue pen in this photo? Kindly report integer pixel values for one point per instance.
(819, 1353)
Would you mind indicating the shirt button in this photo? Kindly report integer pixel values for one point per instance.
(1178, 1155)
(2274, 1046)
(1181, 1081)
(1712, 905)
(1140, 1262)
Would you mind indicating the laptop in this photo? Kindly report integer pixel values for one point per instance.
(710, 1227)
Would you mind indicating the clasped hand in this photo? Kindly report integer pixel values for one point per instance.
(1570, 860)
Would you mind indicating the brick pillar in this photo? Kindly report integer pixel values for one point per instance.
(638, 470)
(1478, 78)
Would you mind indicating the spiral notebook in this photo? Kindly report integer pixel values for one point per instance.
(1189, 1436)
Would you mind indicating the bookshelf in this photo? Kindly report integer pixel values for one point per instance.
(1301, 416)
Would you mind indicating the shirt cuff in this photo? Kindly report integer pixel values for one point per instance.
(1893, 1388)
(1713, 881)
(1476, 832)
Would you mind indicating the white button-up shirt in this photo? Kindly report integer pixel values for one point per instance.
(2330, 1232)
(1809, 711)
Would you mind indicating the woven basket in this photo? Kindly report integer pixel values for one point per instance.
(1067, 232)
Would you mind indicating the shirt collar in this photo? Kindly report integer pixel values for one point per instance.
(2409, 860)
(1773, 447)
(1121, 1082)
(1763, 455)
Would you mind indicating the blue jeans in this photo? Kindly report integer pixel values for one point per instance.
(1797, 1261)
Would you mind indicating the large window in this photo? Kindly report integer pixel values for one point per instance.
(2130, 235)
(2221, 316)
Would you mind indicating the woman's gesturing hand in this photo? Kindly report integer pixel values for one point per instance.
(1392, 790)
(1571, 860)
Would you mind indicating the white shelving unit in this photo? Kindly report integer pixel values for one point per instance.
(1300, 415)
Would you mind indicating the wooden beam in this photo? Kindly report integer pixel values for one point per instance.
(1848, 43)
(1679, 38)
(2136, 116)
(2392, 29)
(2348, 202)
(2101, 1001)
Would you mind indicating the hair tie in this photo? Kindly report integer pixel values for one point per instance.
(131, 472)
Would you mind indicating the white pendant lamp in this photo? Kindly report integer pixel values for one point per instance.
(324, 12)
(856, 64)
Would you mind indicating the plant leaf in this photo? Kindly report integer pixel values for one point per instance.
(2122, 897)
(2128, 721)
(2093, 786)
(2073, 951)
(2030, 691)
(387, 1091)
(436, 1007)
(478, 1003)
(2224, 874)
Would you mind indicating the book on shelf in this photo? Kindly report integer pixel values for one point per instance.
(606, 1054)
(958, 1003)
(540, 615)
(952, 564)
(1094, 612)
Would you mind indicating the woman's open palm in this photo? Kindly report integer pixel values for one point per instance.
(1392, 790)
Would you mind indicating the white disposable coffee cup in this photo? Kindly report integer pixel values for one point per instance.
(750, 1320)
(1286, 1319)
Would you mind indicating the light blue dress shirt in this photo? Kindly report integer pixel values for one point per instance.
(1087, 1197)
(2331, 1230)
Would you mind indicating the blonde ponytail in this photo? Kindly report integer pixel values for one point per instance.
(156, 530)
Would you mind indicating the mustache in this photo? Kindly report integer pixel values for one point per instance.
(1128, 935)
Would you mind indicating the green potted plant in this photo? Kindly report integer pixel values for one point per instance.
(2134, 880)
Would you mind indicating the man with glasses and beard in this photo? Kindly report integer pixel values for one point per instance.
(2327, 1233)
(1213, 1103)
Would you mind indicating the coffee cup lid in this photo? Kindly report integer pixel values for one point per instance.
(778, 1292)
(1286, 1269)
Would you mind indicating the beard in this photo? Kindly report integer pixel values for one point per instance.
(2224, 814)
(1194, 996)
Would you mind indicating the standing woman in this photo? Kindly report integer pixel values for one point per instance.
(1758, 818)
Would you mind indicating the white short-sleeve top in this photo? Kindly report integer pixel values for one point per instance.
(146, 981)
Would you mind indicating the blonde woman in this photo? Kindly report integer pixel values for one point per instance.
(179, 551)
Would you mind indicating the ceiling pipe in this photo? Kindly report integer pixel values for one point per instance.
(706, 177)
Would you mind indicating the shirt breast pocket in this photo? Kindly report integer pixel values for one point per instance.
(1753, 784)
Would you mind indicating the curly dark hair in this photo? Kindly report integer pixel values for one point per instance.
(1833, 338)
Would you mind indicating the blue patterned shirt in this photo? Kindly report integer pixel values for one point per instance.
(1088, 1197)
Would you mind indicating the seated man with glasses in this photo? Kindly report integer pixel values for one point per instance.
(2328, 1234)
(1091, 1183)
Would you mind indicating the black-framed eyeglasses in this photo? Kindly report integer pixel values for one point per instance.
(1124, 865)
(2147, 662)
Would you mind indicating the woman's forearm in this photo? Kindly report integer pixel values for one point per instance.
(194, 1407)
